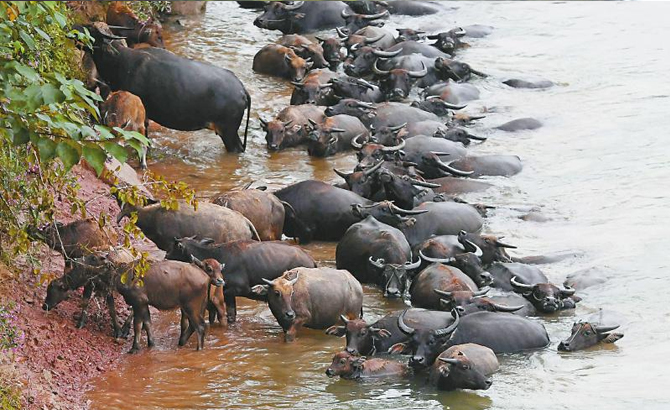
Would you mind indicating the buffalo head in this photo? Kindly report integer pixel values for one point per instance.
(455, 70)
(212, 268)
(278, 131)
(345, 365)
(585, 334)
(467, 301)
(436, 105)
(280, 297)
(361, 337)
(458, 372)
(358, 21)
(491, 247)
(370, 154)
(467, 262)
(394, 277)
(365, 59)
(546, 297)
(396, 83)
(364, 183)
(280, 16)
(386, 212)
(349, 106)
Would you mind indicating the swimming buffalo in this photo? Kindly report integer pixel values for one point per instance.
(546, 297)
(280, 61)
(442, 277)
(593, 330)
(291, 126)
(208, 96)
(247, 263)
(466, 366)
(305, 48)
(312, 297)
(468, 263)
(356, 88)
(301, 17)
(492, 248)
(396, 83)
(355, 22)
(334, 134)
(162, 225)
(351, 367)
(264, 210)
(442, 218)
(315, 89)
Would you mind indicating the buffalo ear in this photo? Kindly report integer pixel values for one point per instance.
(299, 15)
(357, 363)
(612, 337)
(338, 331)
(383, 333)
(206, 241)
(399, 348)
(260, 290)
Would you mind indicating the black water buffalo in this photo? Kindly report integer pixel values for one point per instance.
(442, 218)
(324, 211)
(519, 83)
(426, 151)
(546, 297)
(501, 332)
(468, 302)
(493, 250)
(491, 165)
(363, 62)
(364, 183)
(437, 106)
(355, 22)
(439, 130)
(449, 41)
(332, 51)
(301, 16)
(305, 48)
(442, 277)
(453, 92)
(247, 263)
(299, 298)
(520, 124)
(380, 336)
(291, 126)
(405, 191)
(410, 34)
(595, 329)
(263, 209)
(503, 272)
(161, 225)
(334, 134)
(377, 116)
(280, 61)
(375, 37)
(415, 47)
(376, 253)
(178, 93)
(468, 263)
(409, 8)
(351, 367)
(466, 366)
(455, 186)
(315, 89)
(396, 83)
(356, 88)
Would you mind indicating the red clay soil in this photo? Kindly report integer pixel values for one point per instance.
(58, 361)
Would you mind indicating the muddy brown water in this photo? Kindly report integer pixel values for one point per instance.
(598, 169)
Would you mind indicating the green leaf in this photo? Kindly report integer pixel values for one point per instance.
(21, 136)
(33, 94)
(105, 134)
(88, 132)
(51, 94)
(134, 135)
(42, 33)
(116, 150)
(95, 156)
(136, 145)
(62, 21)
(69, 153)
(46, 148)
(27, 39)
(28, 72)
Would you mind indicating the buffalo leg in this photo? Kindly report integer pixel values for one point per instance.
(186, 328)
(125, 328)
(197, 324)
(228, 134)
(137, 328)
(88, 291)
(289, 334)
(116, 331)
(147, 328)
(231, 307)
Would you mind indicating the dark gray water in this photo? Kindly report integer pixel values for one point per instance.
(598, 169)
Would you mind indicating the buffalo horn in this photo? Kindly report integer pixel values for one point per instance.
(370, 40)
(568, 291)
(403, 327)
(605, 329)
(482, 291)
(421, 183)
(451, 170)
(395, 147)
(474, 137)
(298, 84)
(373, 168)
(433, 37)
(342, 174)
(377, 70)
(287, 123)
(296, 5)
(344, 319)
(334, 129)
(355, 144)
(479, 73)
(520, 285)
(443, 293)
(504, 245)
(376, 262)
(505, 308)
(341, 32)
(365, 84)
(398, 210)
(447, 330)
(375, 16)
(269, 282)
(413, 265)
(397, 127)
(264, 123)
(346, 15)
(387, 54)
(294, 280)
(435, 260)
(446, 104)
(418, 74)
(449, 360)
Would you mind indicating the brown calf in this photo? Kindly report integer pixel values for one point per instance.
(125, 110)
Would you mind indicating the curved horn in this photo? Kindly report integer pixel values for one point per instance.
(418, 74)
(370, 40)
(376, 16)
(505, 308)
(399, 210)
(519, 285)
(435, 260)
(365, 104)
(373, 168)
(395, 147)
(421, 183)
(605, 329)
(376, 69)
(295, 6)
(355, 144)
(504, 245)
(446, 104)
(451, 328)
(264, 123)
(451, 170)
(346, 15)
(269, 282)
(443, 293)
(287, 123)
(341, 33)
(294, 280)
(335, 129)
(433, 36)
(344, 319)
(476, 138)
(365, 84)
(387, 54)
(413, 265)
(403, 327)
(298, 84)
(477, 250)
(481, 291)
(449, 360)
(376, 262)
(568, 291)
(479, 73)
(398, 127)
(342, 174)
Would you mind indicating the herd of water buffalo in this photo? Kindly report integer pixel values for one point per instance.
(396, 217)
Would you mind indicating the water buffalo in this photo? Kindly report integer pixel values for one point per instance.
(520, 124)
(436, 106)
(466, 366)
(377, 116)
(426, 152)
(161, 225)
(332, 51)
(468, 263)
(315, 89)
(334, 134)
(453, 92)
(501, 332)
(379, 337)
(75, 239)
(280, 61)
(357, 89)
(301, 16)
(351, 367)
(365, 183)
(125, 110)
(375, 37)
(376, 253)
(264, 210)
(593, 330)
(123, 22)
(406, 192)
(491, 165)
(410, 34)
(467, 302)
(455, 186)
(519, 83)
(169, 285)
(291, 125)
(438, 276)
(449, 41)
(492, 248)
(366, 56)
(85, 271)
(312, 297)
(546, 297)
(355, 22)
(442, 218)
(396, 83)
(305, 48)
(424, 345)
(503, 272)
(209, 96)
(247, 263)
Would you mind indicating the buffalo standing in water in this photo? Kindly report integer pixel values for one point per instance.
(301, 17)
(351, 367)
(464, 366)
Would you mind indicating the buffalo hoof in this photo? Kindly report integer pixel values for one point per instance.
(518, 83)
(520, 124)
(133, 350)
(81, 323)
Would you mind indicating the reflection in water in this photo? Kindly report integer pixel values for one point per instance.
(597, 168)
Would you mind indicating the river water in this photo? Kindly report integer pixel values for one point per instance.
(598, 169)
